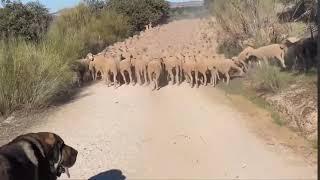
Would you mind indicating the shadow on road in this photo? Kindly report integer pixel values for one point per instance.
(113, 174)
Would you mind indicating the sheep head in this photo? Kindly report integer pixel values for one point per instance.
(90, 57)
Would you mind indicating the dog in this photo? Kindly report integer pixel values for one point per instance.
(36, 156)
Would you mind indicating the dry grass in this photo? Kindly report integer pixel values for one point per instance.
(32, 75)
(254, 21)
(269, 79)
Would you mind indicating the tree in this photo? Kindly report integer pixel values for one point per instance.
(96, 5)
(141, 12)
(29, 21)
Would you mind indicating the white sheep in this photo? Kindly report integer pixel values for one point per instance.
(225, 65)
(268, 52)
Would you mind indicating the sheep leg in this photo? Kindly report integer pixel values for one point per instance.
(188, 79)
(212, 75)
(145, 77)
(107, 78)
(214, 78)
(265, 60)
(238, 69)
(124, 76)
(244, 66)
(259, 63)
(138, 74)
(151, 79)
(228, 77)
(217, 74)
(130, 76)
(93, 74)
(191, 78)
(201, 78)
(177, 75)
(281, 61)
(171, 76)
(196, 74)
(115, 81)
(157, 81)
(205, 79)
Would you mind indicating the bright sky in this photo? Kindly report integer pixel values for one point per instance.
(55, 5)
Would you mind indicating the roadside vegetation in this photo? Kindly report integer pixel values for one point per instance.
(257, 23)
(37, 48)
(245, 23)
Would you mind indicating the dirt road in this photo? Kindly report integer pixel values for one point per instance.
(177, 132)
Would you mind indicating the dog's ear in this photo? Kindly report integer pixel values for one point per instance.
(52, 145)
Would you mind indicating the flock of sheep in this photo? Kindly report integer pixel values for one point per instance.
(143, 59)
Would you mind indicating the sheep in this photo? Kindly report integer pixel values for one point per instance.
(97, 64)
(189, 67)
(206, 66)
(224, 66)
(81, 68)
(202, 69)
(112, 67)
(154, 71)
(140, 65)
(171, 64)
(270, 51)
(105, 65)
(242, 55)
(240, 63)
(125, 66)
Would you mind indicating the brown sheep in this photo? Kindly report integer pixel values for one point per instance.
(267, 52)
(173, 63)
(189, 67)
(225, 65)
(140, 65)
(202, 68)
(81, 69)
(125, 65)
(111, 68)
(97, 64)
(206, 66)
(240, 63)
(242, 55)
(154, 71)
(106, 65)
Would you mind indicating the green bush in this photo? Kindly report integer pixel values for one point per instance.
(268, 78)
(33, 74)
(30, 75)
(28, 21)
(94, 31)
(141, 12)
(240, 20)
